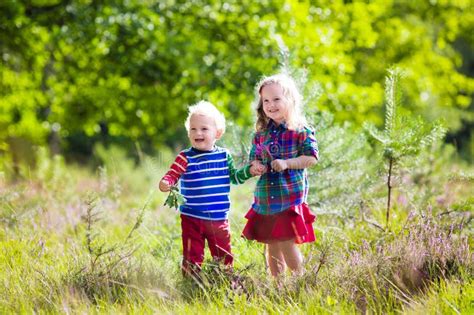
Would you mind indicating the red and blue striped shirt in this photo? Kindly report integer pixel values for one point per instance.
(205, 178)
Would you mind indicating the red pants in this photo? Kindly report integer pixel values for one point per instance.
(195, 232)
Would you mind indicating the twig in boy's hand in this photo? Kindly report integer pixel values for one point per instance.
(174, 199)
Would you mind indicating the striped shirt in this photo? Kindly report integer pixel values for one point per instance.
(205, 178)
(278, 191)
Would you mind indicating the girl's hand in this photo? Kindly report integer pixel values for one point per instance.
(164, 186)
(257, 168)
(279, 165)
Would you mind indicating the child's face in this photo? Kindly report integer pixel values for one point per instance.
(274, 102)
(203, 132)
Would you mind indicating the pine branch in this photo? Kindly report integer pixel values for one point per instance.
(437, 133)
(392, 98)
(376, 134)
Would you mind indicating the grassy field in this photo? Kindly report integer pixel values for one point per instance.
(76, 241)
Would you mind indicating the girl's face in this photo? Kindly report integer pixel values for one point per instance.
(203, 132)
(274, 103)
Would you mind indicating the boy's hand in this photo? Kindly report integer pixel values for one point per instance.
(279, 165)
(257, 168)
(164, 186)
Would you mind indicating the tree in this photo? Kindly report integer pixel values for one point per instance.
(125, 72)
(403, 136)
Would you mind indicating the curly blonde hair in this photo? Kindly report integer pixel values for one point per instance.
(296, 118)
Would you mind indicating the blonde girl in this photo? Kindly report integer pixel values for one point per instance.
(282, 149)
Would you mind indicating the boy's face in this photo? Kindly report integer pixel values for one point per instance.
(274, 102)
(203, 132)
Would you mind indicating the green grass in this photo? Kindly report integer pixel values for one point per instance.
(49, 266)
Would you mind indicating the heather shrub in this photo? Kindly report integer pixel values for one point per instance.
(394, 268)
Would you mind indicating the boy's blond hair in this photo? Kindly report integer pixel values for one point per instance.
(207, 109)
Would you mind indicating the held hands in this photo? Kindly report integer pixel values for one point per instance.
(279, 165)
(164, 186)
(257, 168)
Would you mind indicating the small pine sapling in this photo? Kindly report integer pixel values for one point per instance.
(403, 136)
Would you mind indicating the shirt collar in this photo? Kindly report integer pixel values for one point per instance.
(272, 125)
(214, 148)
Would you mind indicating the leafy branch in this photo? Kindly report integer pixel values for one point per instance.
(174, 199)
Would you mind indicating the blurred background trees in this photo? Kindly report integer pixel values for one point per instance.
(78, 72)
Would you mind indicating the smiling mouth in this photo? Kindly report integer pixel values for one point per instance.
(199, 140)
(273, 111)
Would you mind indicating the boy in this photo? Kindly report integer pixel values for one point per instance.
(206, 172)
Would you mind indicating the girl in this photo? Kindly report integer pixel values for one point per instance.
(283, 147)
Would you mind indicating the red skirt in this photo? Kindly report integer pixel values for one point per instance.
(294, 223)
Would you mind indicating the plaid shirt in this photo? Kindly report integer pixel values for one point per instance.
(278, 191)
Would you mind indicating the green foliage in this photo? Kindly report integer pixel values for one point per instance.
(110, 70)
(31, 276)
(351, 268)
(174, 199)
(50, 170)
(448, 297)
(115, 71)
(120, 171)
(107, 273)
(403, 136)
(345, 174)
(348, 46)
(396, 268)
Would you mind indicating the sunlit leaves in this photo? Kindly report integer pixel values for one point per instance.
(130, 69)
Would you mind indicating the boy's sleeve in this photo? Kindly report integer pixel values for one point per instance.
(253, 149)
(176, 169)
(309, 145)
(237, 176)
